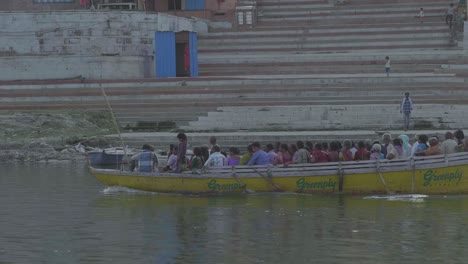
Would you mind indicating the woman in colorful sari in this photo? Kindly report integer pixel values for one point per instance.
(397, 152)
(345, 153)
(283, 157)
(234, 157)
(197, 161)
(406, 145)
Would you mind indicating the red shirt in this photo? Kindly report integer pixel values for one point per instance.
(362, 154)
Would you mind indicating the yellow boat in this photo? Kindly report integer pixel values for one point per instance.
(442, 174)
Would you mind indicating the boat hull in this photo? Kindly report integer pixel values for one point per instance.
(431, 180)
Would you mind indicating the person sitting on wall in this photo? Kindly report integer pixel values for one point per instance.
(145, 161)
(216, 159)
(434, 148)
(259, 156)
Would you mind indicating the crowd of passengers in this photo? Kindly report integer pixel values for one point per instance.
(302, 152)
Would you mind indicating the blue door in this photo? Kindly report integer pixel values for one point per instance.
(194, 4)
(165, 54)
(193, 45)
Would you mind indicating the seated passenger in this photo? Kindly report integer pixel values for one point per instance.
(333, 153)
(172, 161)
(303, 156)
(271, 153)
(283, 156)
(259, 156)
(145, 161)
(345, 153)
(386, 146)
(247, 156)
(216, 159)
(397, 151)
(376, 152)
(234, 157)
(449, 145)
(434, 148)
(318, 155)
(422, 143)
(362, 153)
(292, 149)
(405, 144)
(462, 145)
(459, 136)
(197, 161)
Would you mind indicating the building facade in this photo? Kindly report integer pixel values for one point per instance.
(207, 9)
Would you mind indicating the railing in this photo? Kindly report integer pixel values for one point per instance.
(348, 167)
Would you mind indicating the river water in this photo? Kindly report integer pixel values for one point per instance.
(58, 213)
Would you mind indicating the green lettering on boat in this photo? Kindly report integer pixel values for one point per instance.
(215, 187)
(430, 176)
(302, 185)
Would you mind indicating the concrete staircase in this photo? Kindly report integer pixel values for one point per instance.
(229, 104)
(307, 65)
(357, 35)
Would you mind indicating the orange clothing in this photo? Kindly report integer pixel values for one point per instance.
(433, 150)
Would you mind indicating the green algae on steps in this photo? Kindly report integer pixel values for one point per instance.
(60, 125)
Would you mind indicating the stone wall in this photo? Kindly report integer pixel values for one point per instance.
(80, 40)
(22, 5)
(465, 38)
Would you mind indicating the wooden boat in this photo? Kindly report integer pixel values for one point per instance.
(442, 174)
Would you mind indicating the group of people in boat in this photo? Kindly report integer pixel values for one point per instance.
(302, 152)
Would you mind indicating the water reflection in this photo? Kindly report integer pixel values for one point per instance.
(60, 214)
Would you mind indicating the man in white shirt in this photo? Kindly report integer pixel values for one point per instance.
(216, 159)
(449, 145)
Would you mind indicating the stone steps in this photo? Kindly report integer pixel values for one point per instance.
(316, 117)
(293, 32)
(319, 38)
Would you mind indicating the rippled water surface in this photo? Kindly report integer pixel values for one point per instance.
(58, 213)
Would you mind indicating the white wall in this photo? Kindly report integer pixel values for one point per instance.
(55, 45)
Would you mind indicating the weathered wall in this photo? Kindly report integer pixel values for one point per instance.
(34, 45)
(465, 37)
(23, 5)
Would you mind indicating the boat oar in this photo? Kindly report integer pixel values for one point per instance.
(269, 180)
(382, 179)
(115, 123)
(234, 175)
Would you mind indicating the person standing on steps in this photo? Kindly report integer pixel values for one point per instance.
(421, 15)
(450, 15)
(406, 107)
(387, 66)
